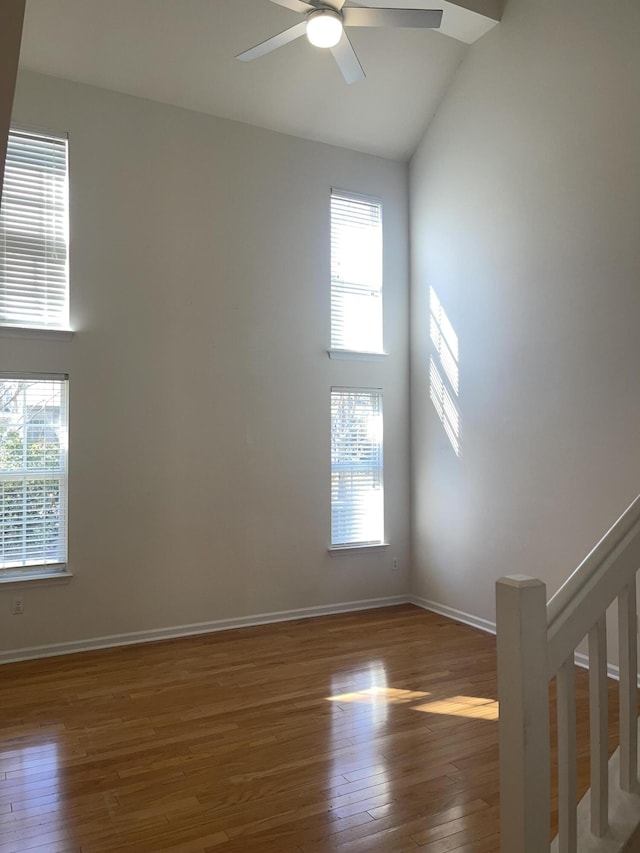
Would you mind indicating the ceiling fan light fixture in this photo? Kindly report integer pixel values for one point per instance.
(324, 28)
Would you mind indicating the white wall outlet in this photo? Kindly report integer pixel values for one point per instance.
(18, 606)
(394, 564)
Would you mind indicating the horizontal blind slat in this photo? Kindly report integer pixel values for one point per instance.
(357, 507)
(356, 273)
(33, 478)
(33, 229)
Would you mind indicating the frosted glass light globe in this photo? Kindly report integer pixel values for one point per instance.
(324, 28)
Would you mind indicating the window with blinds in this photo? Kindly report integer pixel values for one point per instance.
(356, 273)
(33, 233)
(33, 474)
(357, 497)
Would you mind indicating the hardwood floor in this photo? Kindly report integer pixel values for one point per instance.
(372, 731)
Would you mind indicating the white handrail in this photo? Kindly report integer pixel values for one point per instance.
(595, 584)
(628, 523)
(536, 642)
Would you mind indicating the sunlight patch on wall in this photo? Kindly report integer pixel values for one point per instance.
(444, 372)
(444, 340)
(445, 407)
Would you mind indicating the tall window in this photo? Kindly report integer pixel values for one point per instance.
(356, 273)
(357, 502)
(33, 473)
(33, 233)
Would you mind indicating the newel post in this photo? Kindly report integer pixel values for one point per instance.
(523, 693)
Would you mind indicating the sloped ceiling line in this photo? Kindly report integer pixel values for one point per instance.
(184, 54)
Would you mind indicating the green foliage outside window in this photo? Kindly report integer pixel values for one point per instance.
(30, 486)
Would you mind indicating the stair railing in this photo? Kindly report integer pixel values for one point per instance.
(537, 642)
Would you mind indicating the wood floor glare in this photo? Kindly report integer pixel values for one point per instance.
(369, 731)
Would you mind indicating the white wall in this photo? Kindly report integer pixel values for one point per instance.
(199, 375)
(525, 216)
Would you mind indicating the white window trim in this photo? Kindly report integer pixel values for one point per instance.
(369, 545)
(43, 571)
(356, 355)
(36, 333)
(363, 355)
(341, 550)
(32, 329)
(37, 576)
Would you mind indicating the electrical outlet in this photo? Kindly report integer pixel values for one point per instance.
(394, 564)
(18, 606)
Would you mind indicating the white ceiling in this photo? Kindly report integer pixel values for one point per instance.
(182, 52)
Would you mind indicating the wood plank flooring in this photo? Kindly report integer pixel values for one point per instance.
(371, 731)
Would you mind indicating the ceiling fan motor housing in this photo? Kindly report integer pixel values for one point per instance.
(324, 27)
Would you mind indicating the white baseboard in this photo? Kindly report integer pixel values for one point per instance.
(581, 659)
(155, 634)
(613, 671)
(458, 615)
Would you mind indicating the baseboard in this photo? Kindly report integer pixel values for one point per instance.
(581, 659)
(458, 615)
(613, 671)
(156, 634)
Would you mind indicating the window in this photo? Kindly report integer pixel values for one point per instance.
(356, 273)
(33, 233)
(33, 474)
(357, 502)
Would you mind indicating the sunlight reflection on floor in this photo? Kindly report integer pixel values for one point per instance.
(360, 731)
(388, 695)
(43, 756)
(472, 707)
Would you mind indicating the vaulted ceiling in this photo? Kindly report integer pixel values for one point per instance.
(182, 52)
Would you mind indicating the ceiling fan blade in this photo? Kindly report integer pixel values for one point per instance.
(274, 42)
(367, 17)
(347, 60)
(294, 5)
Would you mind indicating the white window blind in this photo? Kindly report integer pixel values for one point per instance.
(357, 498)
(356, 273)
(33, 473)
(33, 233)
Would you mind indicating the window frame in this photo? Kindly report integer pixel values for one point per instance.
(35, 325)
(58, 568)
(343, 352)
(369, 544)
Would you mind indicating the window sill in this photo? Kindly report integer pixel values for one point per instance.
(354, 355)
(36, 333)
(37, 576)
(338, 550)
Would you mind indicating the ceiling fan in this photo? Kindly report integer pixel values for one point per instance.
(325, 23)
